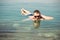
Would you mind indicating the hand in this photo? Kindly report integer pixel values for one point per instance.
(23, 11)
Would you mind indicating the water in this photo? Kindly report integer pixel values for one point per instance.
(13, 28)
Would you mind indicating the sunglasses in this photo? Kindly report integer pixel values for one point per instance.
(36, 16)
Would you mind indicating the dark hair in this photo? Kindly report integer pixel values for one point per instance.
(37, 11)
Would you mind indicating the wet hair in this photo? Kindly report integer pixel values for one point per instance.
(37, 11)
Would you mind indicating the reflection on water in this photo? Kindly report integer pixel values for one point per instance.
(36, 23)
(22, 31)
(17, 31)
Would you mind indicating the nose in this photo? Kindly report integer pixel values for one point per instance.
(37, 17)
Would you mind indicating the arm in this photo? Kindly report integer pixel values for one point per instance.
(25, 12)
(47, 17)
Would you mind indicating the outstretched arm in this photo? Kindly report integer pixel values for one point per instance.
(47, 17)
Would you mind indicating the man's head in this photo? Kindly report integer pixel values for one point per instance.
(36, 13)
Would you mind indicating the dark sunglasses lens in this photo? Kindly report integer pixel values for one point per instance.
(36, 16)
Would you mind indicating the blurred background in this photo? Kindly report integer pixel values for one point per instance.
(13, 28)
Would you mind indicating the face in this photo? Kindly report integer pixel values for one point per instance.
(36, 15)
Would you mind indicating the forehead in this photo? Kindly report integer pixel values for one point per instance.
(36, 13)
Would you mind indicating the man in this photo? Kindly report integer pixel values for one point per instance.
(36, 17)
(36, 12)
